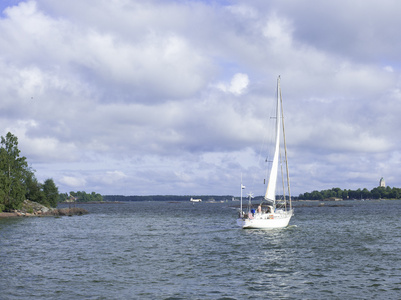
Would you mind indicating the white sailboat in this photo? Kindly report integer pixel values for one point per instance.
(271, 212)
(195, 200)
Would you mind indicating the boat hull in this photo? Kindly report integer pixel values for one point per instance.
(266, 221)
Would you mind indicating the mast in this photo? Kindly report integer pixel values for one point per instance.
(242, 187)
(285, 153)
(271, 187)
(282, 180)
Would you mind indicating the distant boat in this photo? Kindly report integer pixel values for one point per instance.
(195, 200)
(271, 213)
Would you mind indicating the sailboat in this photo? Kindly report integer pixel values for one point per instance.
(271, 212)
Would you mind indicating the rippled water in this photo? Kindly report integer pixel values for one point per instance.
(162, 250)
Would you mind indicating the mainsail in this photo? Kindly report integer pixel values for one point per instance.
(271, 186)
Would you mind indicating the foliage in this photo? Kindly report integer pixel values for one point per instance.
(82, 197)
(45, 194)
(13, 172)
(50, 191)
(62, 197)
(375, 193)
(18, 181)
(34, 190)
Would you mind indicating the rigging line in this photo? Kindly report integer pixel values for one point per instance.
(285, 151)
(282, 179)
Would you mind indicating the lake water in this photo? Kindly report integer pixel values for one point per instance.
(162, 250)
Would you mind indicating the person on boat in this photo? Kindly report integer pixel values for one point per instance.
(259, 209)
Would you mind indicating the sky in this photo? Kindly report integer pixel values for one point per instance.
(166, 97)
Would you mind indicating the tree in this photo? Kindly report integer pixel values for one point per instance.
(82, 196)
(376, 193)
(366, 194)
(62, 197)
(13, 172)
(34, 190)
(51, 192)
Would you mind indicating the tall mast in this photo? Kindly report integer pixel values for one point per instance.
(285, 151)
(282, 180)
(242, 187)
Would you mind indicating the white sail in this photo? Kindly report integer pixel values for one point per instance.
(271, 186)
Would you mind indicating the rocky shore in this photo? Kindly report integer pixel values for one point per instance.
(34, 209)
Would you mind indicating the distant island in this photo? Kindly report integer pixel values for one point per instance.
(210, 198)
(334, 193)
(380, 192)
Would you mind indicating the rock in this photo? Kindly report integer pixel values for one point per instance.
(31, 209)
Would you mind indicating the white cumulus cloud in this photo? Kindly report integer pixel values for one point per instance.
(237, 85)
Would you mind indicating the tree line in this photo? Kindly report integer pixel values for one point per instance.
(18, 181)
(80, 197)
(112, 198)
(375, 193)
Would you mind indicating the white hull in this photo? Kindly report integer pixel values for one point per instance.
(266, 220)
(195, 200)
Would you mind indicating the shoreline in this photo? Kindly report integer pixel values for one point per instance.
(34, 209)
(75, 211)
(8, 215)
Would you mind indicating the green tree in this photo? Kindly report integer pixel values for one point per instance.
(316, 195)
(34, 190)
(96, 197)
(62, 197)
(13, 172)
(51, 192)
(82, 196)
(366, 194)
(337, 192)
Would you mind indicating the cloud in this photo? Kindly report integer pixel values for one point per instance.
(176, 98)
(73, 182)
(237, 86)
(113, 176)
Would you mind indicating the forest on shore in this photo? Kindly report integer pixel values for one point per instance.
(376, 193)
(80, 196)
(18, 181)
